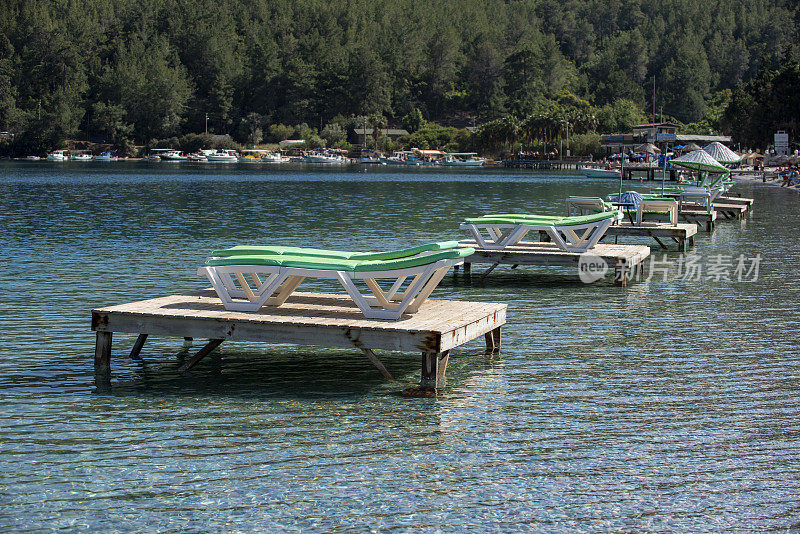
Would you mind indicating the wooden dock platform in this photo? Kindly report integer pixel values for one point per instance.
(682, 234)
(737, 201)
(622, 258)
(730, 210)
(700, 217)
(320, 319)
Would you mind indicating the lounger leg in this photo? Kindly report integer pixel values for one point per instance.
(434, 366)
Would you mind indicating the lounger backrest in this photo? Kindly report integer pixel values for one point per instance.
(585, 205)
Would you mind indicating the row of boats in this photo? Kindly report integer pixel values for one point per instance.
(329, 157)
(61, 155)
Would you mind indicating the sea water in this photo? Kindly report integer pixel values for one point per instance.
(669, 405)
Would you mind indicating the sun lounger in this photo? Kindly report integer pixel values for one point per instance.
(571, 234)
(285, 268)
(657, 205)
(696, 200)
(586, 205)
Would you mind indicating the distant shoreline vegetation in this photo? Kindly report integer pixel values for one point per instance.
(518, 74)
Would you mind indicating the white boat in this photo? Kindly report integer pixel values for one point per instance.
(173, 155)
(152, 157)
(32, 158)
(81, 157)
(57, 155)
(273, 158)
(451, 161)
(105, 156)
(370, 157)
(223, 156)
(401, 158)
(600, 173)
(197, 157)
(323, 158)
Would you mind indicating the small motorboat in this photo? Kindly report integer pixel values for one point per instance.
(81, 157)
(57, 155)
(590, 172)
(105, 156)
(223, 156)
(173, 155)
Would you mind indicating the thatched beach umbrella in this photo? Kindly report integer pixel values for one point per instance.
(721, 153)
(647, 148)
(691, 147)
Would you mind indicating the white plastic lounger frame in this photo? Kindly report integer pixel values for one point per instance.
(571, 238)
(280, 283)
(669, 206)
(585, 206)
(695, 199)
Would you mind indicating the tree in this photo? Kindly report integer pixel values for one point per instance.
(413, 121)
(333, 133)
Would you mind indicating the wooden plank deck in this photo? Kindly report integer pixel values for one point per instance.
(730, 210)
(737, 201)
(305, 318)
(700, 217)
(623, 258)
(682, 234)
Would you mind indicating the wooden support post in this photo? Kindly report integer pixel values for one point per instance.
(202, 353)
(620, 274)
(102, 353)
(682, 244)
(137, 347)
(434, 366)
(709, 226)
(490, 269)
(377, 363)
(467, 268)
(493, 341)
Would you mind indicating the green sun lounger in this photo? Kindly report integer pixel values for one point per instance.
(571, 234)
(285, 268)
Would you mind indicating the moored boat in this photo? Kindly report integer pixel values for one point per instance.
(370, 157)
(105, 156)
(173, 155)
(590, 172)
(81, 157)
(273, 158)
(223, 156)
(57, 155)
(317, 157)
(471, 161)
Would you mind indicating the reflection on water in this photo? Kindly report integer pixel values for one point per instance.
(669, 405)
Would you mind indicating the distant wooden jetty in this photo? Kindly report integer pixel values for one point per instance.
(306, 318)
(624, 259)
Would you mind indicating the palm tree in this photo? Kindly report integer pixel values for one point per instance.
(378, 123)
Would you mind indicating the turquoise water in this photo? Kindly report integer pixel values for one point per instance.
(668, 406)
